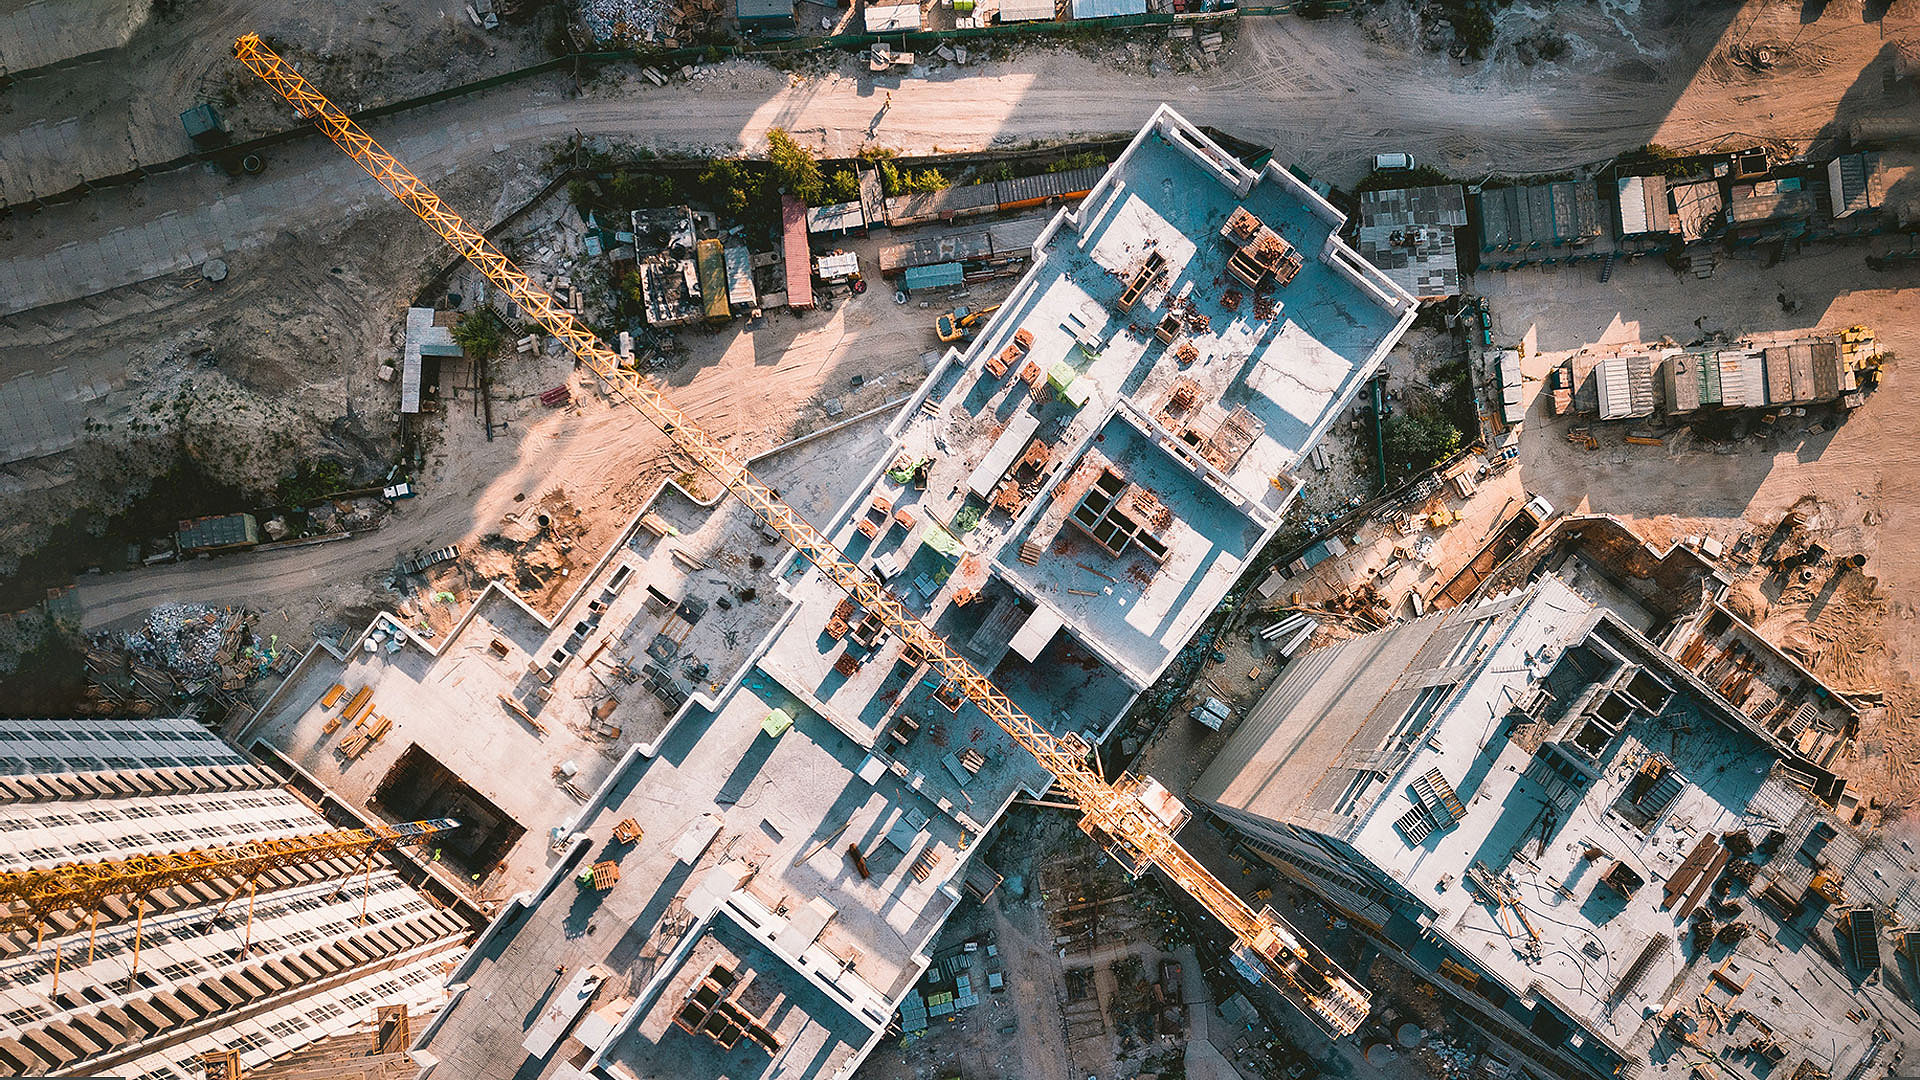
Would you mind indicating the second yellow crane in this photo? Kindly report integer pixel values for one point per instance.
(1134, 819)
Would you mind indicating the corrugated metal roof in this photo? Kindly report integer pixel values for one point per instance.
(1826, 370)
(939, 275)
(764, 10)
(740, 277)
(887, 20)
(1049, 185)
(1633, 205)
(1438, 204)
(1616, 393)
(793, 229)
(227, 530)
(1107, 9)
(1743, 380)
(712, 261)
(1683, 383)
(1779, 380)
(1026, 10)
(836, 218)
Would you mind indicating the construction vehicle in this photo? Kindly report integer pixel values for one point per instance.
(1135, 819)
(960, 323)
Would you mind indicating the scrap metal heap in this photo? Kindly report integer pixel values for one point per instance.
(1135, 819)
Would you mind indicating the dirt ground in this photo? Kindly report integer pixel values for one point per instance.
(1852, 480)
(588, 466)
(286, 346)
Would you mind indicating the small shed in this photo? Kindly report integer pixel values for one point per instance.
(222, 533)
(793, 246)
(764, 14)
(836, 220)
(1012, 11)
(838, 266)
(898, 18)
(938, 276)
(740, 291)
(1107, 9)
(427, 343)
(204, 127)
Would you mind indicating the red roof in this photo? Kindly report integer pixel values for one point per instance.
(793, 225)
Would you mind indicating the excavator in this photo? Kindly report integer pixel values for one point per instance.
(960, 324)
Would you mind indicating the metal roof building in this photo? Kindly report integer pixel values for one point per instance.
(1643, 205)
(937, 276)
(764, 14)
(1530, 802)
(797, 257)
(1107, 9)
(1532, 216)
(1409, 234)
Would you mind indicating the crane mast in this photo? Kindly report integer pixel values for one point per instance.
(1134, 820)
(28, 898)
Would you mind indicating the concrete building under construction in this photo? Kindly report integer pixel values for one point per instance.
(148, 987)
(1529, 801)
(755, 885)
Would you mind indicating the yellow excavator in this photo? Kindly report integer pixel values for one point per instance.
(959, 324)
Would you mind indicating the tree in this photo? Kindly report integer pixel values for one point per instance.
(925, 180)
(480, 335)
(794, 167)
(843, 186)
(732, 186)
(1418, 439)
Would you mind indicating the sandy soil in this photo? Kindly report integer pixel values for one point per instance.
(589, 466)
(120, 107)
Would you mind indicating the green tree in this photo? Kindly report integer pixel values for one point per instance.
(925, 180)
(1418, 439)
(480, 335)
(732, 186)
(794, 167)
(843, 186)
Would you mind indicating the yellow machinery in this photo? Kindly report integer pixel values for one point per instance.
(29, 898)
(960, 324)
(1134, 819)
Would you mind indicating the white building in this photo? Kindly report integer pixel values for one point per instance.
(141, 994)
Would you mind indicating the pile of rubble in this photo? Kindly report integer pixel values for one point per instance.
(189, 640)
(664, 22)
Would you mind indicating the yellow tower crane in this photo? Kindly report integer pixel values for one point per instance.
(30, 898)
(1134, 819)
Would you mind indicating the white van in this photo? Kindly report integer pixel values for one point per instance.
(1392, 162)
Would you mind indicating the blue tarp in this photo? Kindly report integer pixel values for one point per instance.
(939, 275)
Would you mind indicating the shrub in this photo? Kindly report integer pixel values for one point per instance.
(1418, 439)
(734, 187)
(794, 167)
(924, 181)
(843, 186)
(480, 335)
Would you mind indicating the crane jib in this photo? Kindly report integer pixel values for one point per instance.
(1133, 833)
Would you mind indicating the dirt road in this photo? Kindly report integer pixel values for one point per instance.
(1325, 94)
